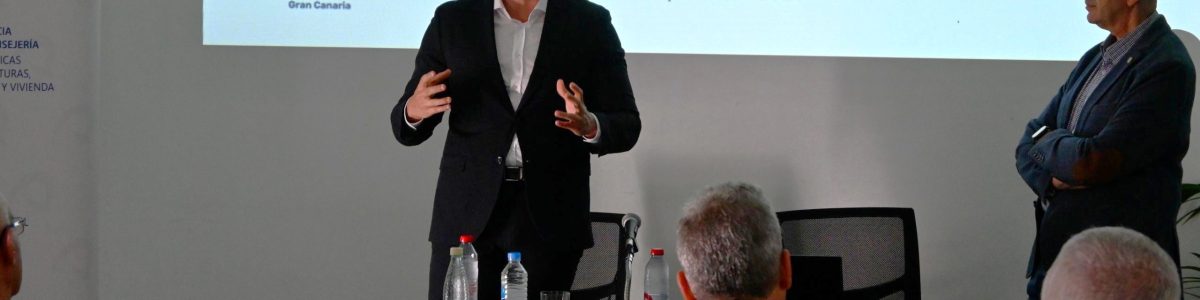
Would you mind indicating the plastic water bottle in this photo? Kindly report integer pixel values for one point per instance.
(514, 282)
(656, 276)
(455, 286)
(471, 263)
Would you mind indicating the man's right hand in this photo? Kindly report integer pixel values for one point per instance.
(421, 104)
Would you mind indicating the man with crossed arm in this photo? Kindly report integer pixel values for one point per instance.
(1108, 148)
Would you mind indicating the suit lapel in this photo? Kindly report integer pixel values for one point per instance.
(547, 56)
(1106, 84)
(1122, 64)
(487, 26)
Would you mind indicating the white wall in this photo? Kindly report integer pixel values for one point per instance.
(46, 146)
(271, 173)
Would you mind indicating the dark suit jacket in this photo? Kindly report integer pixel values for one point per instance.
(1127, 148)
(578, 44)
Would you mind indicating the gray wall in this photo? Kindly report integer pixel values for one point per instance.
(271, 173)
(46, 147)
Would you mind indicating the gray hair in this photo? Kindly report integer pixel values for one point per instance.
(729, 242)
(1112, 263)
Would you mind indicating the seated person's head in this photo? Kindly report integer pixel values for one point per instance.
(10, 252)
(1111, 263)
(731, 248)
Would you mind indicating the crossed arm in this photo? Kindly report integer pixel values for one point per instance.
(1143, 127)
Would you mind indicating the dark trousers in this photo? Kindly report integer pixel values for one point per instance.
(510, 228)
(1033, 288)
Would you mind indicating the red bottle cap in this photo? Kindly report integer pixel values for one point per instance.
(656, 252)
(466, 238)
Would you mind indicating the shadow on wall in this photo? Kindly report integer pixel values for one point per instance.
(1188, 241)
(1193, 45)
(1191, 162)
(1191, 42)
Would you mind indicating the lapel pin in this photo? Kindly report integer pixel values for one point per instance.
(1130, 60)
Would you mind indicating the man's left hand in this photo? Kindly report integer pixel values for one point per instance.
(576, 118)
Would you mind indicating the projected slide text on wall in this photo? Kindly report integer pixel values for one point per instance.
(1013, 29)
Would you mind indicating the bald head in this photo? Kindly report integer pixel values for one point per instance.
(1111, 263)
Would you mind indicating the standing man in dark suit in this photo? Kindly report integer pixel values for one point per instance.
(1107, 150)
(512, 75)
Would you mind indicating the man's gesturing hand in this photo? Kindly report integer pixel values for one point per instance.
(576, 118)
(421, 104)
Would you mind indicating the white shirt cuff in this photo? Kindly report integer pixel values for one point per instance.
(413, 125)
(594, 139)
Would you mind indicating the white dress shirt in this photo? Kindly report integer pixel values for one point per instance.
(516, 49)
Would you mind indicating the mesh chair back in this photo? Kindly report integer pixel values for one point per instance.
(603, 271)
(877, 248)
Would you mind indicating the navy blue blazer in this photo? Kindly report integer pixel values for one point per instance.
(1127, 148)
(579, 44)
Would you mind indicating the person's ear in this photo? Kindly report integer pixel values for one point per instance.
(785, 270)
(684, 288)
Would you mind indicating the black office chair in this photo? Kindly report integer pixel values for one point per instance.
(603, 271)
(876, 249)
